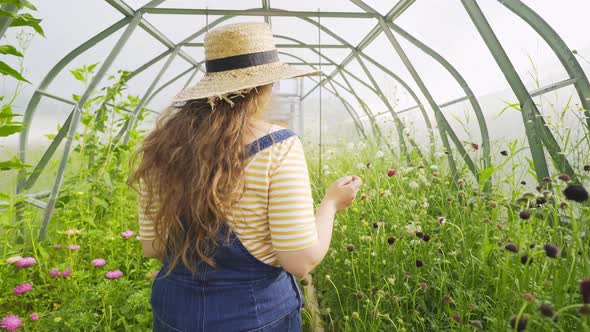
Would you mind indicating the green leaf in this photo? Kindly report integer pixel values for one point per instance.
(18, 4)
(5, 13)
(29, 5)
(78, 74)
(29, 21)
(7, 70)
(531, 163)
(11, 128)
(91, 67)
(13, 163)
(9, 49)
(486, 175)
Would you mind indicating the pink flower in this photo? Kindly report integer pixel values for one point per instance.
(26, 261)
(13, 259)
(127, 234)
(74, 247)
(54, 273)
(66, 273)
(34, 316)
(98, 262)
(423, 285)
(22, 288)
(116, 274)
(57, 246)
(11, 323)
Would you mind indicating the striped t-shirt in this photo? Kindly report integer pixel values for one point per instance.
(275, 212)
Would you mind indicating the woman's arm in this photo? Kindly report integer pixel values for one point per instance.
(338, 197)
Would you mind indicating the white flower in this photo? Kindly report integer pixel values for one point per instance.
(372, 192)
(413, 185)
(387, 192)
(326, 167)
(412, 228)
(439, 154)
(360, 166)
(373, 254)
(425, 205)
(379, 154)
(434, 167)
(422, 179)
(442, 220)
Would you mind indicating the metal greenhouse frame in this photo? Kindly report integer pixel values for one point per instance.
(539, 136)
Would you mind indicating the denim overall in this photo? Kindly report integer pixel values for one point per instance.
(241, 294)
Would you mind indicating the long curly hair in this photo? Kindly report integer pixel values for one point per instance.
(192, 171)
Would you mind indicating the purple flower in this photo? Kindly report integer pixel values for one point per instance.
(74, 247)
(11, 323)
(34, 316)
(127, 234)
(22, 288)
(98, 262)
(116, 274)
(66, 273)
(54, 273)
(26, 261)
(57, 246)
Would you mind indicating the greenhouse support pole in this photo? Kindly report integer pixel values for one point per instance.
(535, 128)
(75, 122)
(483, 128)
(5, 21)
(559, 47)
(146, 97)
(190, 79)
(443, 126)
(171, 81)
(398, 124)
(23, 182)
(374, 125)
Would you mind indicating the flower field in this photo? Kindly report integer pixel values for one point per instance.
(417, 251)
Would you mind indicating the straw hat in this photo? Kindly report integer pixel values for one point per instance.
(237, 57)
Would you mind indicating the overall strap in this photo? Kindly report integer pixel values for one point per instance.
(268, 140)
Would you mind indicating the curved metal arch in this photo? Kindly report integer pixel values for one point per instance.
(559, 47)
(485, 137)
(334, 92)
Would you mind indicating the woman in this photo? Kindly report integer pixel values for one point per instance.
(225, 197)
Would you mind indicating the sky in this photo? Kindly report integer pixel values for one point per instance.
(442, 24)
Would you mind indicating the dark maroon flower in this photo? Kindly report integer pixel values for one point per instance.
(447, 299)
(304, 282)
(539, 188)
(576, 193)
(419, 263)
(360, 295)
(391, 172)
(420, 235)
(586, 168)
(369, 164)
(511, 247)
(564, 177)
(350, 247)
(456, 318)
(523, 183)
(547, 179)
(547, 310)
(391, 240)
(551, 250)
(475, 146)
(504, 152)
(524, 215)
(520, 325)
(585, 291)
(525, 260)
(426, 237)
(375, 225)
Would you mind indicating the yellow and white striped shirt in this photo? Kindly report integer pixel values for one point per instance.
(275, 212)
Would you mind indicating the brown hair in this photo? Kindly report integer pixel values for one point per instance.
(193, 163)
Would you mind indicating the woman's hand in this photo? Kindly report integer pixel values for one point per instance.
(343, 191)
